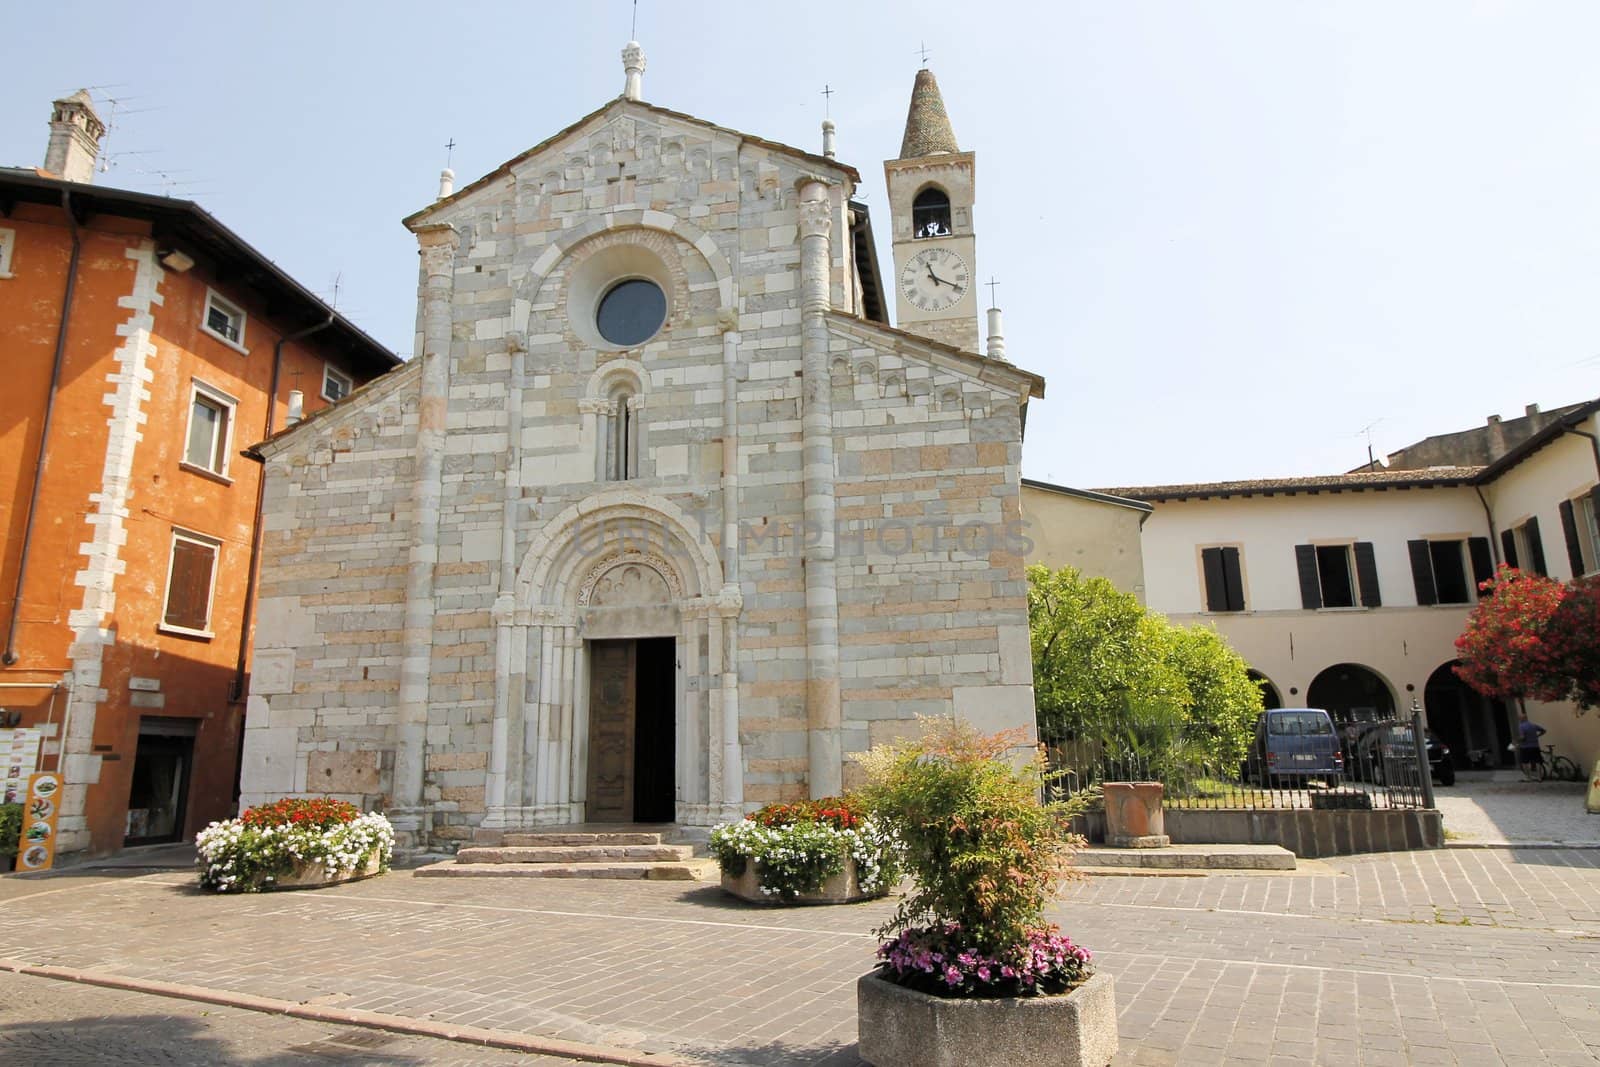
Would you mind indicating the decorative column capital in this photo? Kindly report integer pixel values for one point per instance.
(595, 405)
(437, 246)
(816, 210)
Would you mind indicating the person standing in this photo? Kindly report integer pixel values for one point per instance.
(1529, 752)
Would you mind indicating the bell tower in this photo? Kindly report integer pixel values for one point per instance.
(930, 206)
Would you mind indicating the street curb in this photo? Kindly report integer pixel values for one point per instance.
(1507, 845)
(375, 1020)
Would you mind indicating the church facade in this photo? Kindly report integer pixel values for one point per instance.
(664, 520)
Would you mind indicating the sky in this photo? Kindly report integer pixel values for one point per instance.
(1238, 239)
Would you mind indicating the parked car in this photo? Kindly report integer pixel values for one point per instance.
(1384, 747)
(1294, 745)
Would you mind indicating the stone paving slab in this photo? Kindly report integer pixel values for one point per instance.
(1368, 963)
(1515, 812)
(1194, 857)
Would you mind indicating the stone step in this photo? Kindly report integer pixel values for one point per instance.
(688, 871)
(540, 840)
(577, 854)
(1190, 857)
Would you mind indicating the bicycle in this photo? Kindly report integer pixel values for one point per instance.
(1552, 766)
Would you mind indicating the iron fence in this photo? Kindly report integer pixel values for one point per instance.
(1379, 765)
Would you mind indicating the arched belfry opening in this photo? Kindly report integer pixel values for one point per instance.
(930, 213)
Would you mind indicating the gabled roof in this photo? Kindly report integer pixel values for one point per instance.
(621, 102)
(979, 366)
(1571, 418)
(1089, 494)
(188, 227)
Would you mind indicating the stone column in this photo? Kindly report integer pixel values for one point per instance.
(505, 602)
(823, 749)
(438, 249)
(725, 639)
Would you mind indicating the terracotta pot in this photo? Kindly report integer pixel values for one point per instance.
(1133, 815)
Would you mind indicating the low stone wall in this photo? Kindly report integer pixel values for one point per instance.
(1308, 834)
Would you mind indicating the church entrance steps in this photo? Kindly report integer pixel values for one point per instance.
(595, 853)
(692, 870)
(515, 840)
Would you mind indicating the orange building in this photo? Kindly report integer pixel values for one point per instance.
(143, 346)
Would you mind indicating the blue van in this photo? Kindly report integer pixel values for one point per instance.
(1296, 744)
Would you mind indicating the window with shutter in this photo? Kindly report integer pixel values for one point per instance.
(189, 583)
(1482, 559)
(1588, 515)
(1449, 572)
(1508, 547)
(1422, 572)
(210, 429)
(1223, 578)
(1305, 558)
(1569, 530)
(1333, 575)
(1530, 547)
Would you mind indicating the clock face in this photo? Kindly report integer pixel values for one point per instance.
(935, 279)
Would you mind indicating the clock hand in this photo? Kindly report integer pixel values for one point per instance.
(936, 279)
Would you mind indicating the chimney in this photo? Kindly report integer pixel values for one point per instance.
(1497, 438)
(75, 132)
(297, 407)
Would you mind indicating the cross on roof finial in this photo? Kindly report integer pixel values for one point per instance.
(923, 52)
(827, 101)
(993, 285)
(449, 149)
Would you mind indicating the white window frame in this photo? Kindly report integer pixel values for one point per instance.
(1352, 579)
(198, 389)
(232, 310)
(1464, 549)
(180, 534)
(332, 373)
(8, 244)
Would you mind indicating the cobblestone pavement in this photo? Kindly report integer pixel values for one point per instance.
(1456, 956)
(1481, 811)
(46, 1022)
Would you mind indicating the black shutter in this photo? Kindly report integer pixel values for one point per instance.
(1232, 577)
(1367, 575)
(1508, 546)
(1482, 561)
(1216, 583)
(1305, 557)
(1535, 547)
(1422, 572)
(1569, 527)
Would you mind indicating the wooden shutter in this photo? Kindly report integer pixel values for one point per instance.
(1305, 558)
(1482, 561)
(1508, 547)
(1422, 572)
(1569, 527)
(1535, 547)
(1216, 583)
(189, 585)
(1233, 579)
(1367, 575)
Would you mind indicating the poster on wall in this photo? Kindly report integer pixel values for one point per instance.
(41, 806)
(19, 758)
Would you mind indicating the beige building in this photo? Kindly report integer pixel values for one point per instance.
(1094, 532)
(665, 520)
(1348, 591)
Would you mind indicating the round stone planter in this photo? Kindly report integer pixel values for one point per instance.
(842, 888)
(1133, 815)
(311, 874)
(900, 1027)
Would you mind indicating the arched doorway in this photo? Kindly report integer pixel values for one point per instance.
(1270, 697)
(1351, 693)
(1476, 728)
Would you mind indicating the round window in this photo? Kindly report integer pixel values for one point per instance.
(631, 312)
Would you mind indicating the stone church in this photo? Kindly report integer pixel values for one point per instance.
(664, 520)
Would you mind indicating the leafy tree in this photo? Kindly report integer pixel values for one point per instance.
(1532, 636)
(1108, 670)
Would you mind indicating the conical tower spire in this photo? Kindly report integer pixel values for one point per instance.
(928, 129)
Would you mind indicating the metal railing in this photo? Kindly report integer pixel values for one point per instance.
(1379, 765)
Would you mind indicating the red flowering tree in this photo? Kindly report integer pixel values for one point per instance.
(1534, 637)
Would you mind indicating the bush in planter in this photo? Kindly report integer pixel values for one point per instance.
(250, 853)
(800, 846)
(985, 855)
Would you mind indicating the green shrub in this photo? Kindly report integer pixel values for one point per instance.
(10, 828)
